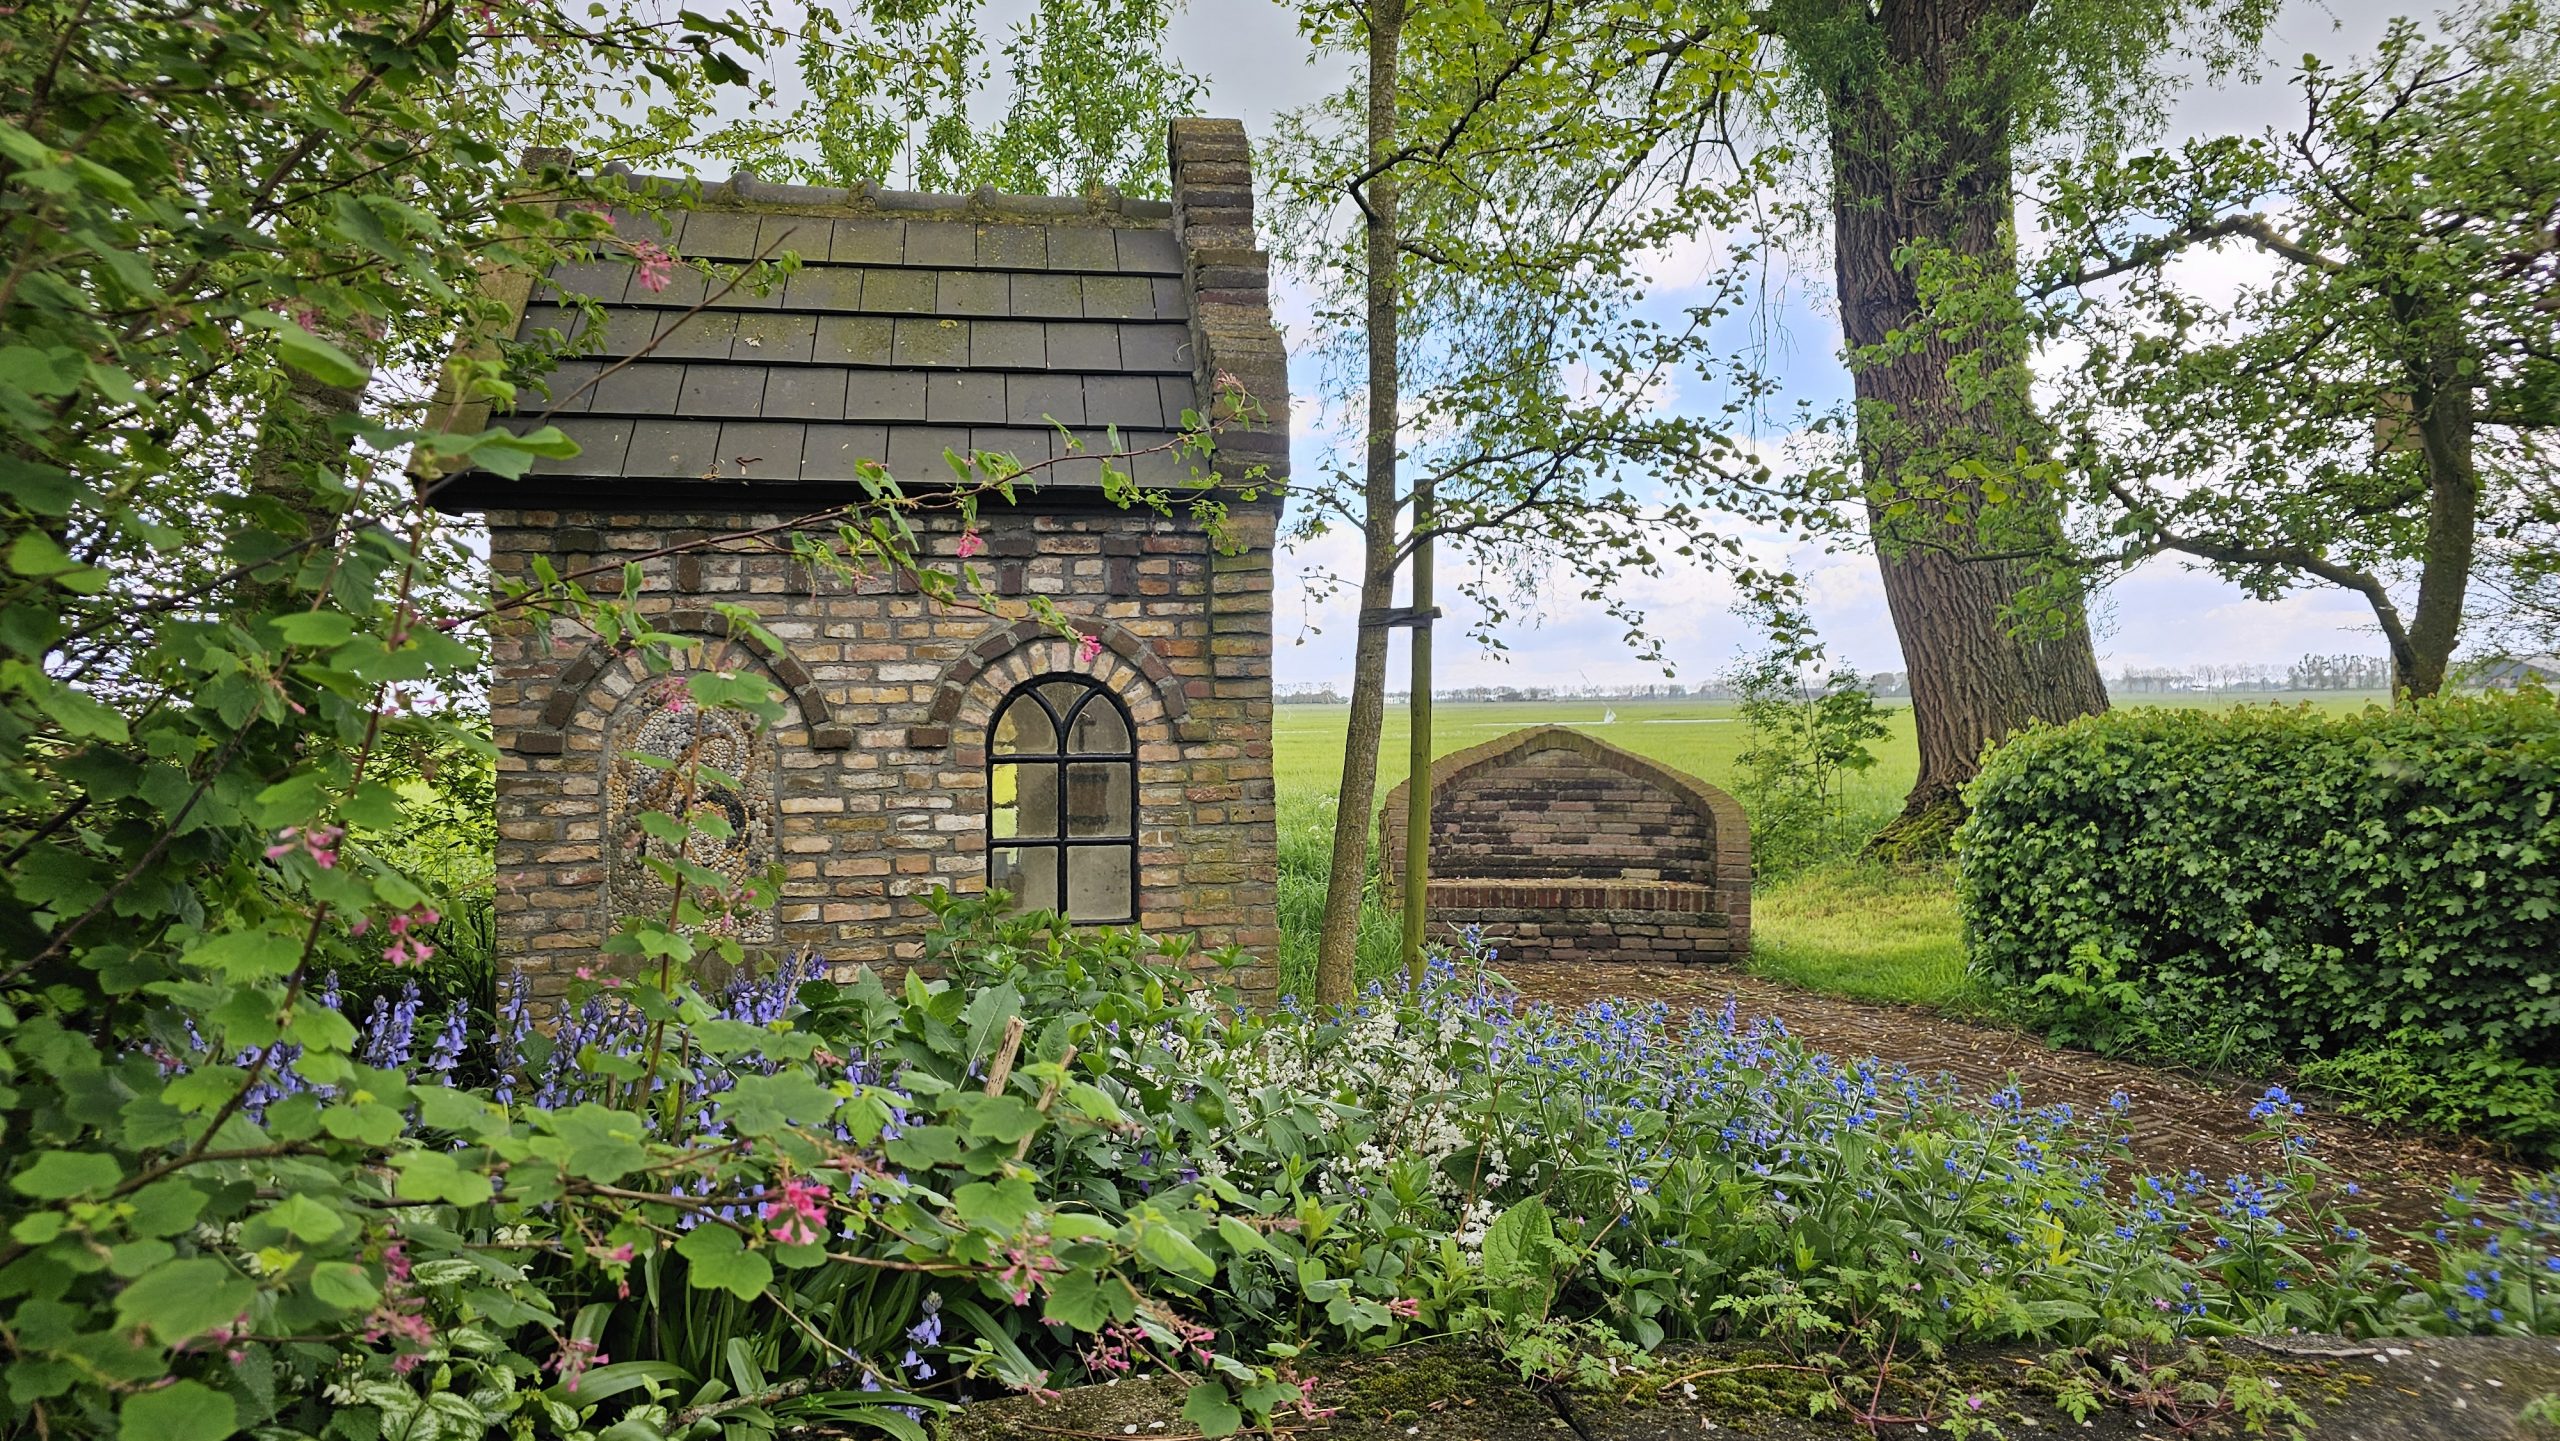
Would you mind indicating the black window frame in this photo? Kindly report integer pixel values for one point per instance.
(1058, 758)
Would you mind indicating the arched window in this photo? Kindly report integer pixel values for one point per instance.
(1062, 801)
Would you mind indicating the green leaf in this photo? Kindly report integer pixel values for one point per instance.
(1209, 1407)
(717, 1259)
(78, 713)
(921, 1148)
(308, 353)
(164, 1208)
(247, 955)
(1171, 1250)
(1000, 1206)
(54, 371)
(179, 1411)
(986, 1015)
(315, 627)
(368, 1122)
(1240, 1238)
(305, 1219)
(36, 555)
(1002, 1119)
(1084, 1299)
(597, 1143)
(344, 1285)
(60, 1175)
(438, 1176)
(758, 1105)
(185, 1299)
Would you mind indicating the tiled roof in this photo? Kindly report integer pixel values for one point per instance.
(914, 324)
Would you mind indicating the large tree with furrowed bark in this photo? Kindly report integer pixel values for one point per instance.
(1926, 108)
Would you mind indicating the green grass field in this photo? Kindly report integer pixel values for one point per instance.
(1852, 928)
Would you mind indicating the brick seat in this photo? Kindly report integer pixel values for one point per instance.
(1470, 892)
(1552, 846)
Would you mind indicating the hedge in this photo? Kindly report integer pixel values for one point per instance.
(2300, 884)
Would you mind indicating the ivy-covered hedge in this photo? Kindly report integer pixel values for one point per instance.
(2279, 882)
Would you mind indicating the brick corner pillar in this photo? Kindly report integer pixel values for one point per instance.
(1241, 370)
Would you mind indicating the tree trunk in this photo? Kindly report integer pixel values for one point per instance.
(1337, 944)
(1938, 173)
(2446, 407)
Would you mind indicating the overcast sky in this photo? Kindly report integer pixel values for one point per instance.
(1257, 67)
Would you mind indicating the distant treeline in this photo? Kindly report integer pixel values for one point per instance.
(2311, 673)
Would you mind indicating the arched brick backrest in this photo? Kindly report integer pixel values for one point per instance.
(549, 735)
(951, 688)
(1551, 803)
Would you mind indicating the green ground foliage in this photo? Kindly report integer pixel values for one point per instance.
(2375, 896)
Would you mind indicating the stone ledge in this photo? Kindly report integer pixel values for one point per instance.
(1570, 894)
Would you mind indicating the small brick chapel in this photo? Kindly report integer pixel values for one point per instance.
(926, 745)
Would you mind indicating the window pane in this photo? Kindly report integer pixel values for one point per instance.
(1098, 729)
(1062, 695)
(1098, 801)
(1031, 875)
(1098, 883)
(1022, 801)
(1025, 729)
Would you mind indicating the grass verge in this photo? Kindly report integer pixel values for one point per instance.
(1866, 931)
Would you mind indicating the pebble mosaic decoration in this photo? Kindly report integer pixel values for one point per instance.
(659, 721)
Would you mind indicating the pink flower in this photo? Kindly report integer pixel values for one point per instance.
(657, 266)
(798, 1216)
(972, 544)
(318, 842)
(1405, 1307)
(577, 1355)
(1087, 647)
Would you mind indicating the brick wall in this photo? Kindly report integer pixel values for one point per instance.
(1558, 812)
(1562, 848)
(881, 760)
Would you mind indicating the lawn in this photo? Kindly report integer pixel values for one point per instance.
(1850, 928)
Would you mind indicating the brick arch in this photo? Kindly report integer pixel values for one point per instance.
(1452, 772)
(1156, 710)
(952, 689)
(549, 734)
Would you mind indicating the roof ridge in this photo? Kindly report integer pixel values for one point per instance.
(745, 190)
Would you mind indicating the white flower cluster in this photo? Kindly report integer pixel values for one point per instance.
(1391, 1094)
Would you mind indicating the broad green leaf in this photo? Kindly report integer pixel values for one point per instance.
(717, 1259)
(1168, 1248)
(1210, 1407)
(999, 1206)
(321, 628)
(304, 1219)
(247, 955)
(320, 359)
(179, 1411)
(185, 1298)
(60, 1175)
(344, 1285)
(437, 1176)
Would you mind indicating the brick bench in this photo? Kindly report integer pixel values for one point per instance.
(1556, 847)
